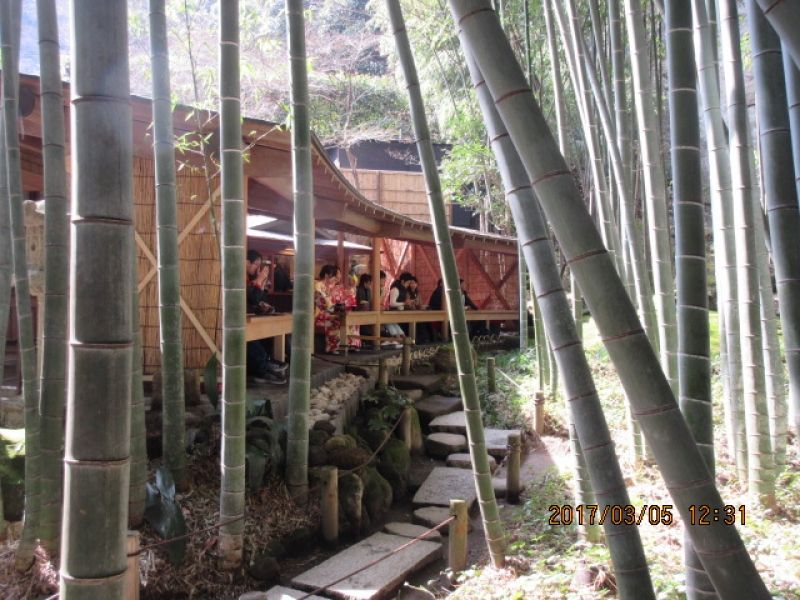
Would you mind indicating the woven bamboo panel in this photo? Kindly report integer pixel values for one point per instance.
(396, 190)
(199, 261)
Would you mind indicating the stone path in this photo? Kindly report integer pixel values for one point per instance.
(378, 581)
(410, 530)
(462, 460)
(428, 383)
(435, 406)
(278, 593)
(445, 484)
(442, 445)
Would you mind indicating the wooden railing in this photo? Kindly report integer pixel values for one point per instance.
(279, 326)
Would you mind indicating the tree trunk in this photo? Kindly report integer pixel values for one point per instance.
(232, 485)
(784, 16)
(6, 262)
(56, 273)
(759, 451)
(10, 28)
(93, 555)
(681, 464)
(694, 366)
(169, 286)
(495, 538)
(303, 299)
(587, 423)
(655, 193)
(777, 168)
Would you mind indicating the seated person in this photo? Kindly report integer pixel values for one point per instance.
(436, 301)
(328, 306)
(283, 281)
(259, 361)
(475, 327)
(398, 293)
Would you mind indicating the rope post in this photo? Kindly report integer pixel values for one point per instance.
(132, 571)
(512, 469)
(457, 536)
(491, 377)
(383, 373)
(406, 366)
(538, 414)
(329, 502)
(405, 428)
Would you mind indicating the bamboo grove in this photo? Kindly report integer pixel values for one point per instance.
(636, 183)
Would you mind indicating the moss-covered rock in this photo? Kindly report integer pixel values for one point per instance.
(348, 458)
(340, 442)
(417, 441)
(394, 464)
(317, 456)
(444, 361)
(377, 494)
(351, 497)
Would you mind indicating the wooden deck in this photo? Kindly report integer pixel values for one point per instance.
(279, 326)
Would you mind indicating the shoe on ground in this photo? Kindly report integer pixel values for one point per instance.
(270, 379)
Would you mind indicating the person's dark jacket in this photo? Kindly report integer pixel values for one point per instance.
(435, 301)
(255, 295)
(363, 295)
(283, 282)
(468, 301)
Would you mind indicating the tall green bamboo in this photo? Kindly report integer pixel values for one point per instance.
(169, 285)
(783, 213)
(681, 464)
(792, 345)
(137, 490)
(694, 365)
(9, 32)
(724, 243)
(655, 192)
(303, 299)
(6, 263)
(232, 463)
(495, 539)
(56, 276)
(784, 16)
(588, 428)
(93, 556)
(759, 451)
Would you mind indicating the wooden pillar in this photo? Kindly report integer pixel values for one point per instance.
(132, 571)
(512, 470)
(279, 348)
(538, 414)
(457, 534)
(377, 292)
(329, 503)
(383, 373)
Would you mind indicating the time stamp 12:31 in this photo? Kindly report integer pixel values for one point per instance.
(654, 514)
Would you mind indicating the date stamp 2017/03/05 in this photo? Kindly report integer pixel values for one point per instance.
(654, 514)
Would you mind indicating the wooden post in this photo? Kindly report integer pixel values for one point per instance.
(457, 534)
(383, 373)
(491, 377)
(512, 469)
(279, 348)
(132, 572)
(377, 292)
(538, 415)
(406, 366)
(329, 502)
(412, 330)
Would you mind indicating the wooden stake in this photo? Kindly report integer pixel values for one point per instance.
(329, 501)
(406, 367)
(538, 415)
(491, 378)
(457, 536)
(512, 470)
(383, 373)
(132, 572)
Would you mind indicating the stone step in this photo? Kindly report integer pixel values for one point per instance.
(445, 484)
(442, 445)
(428, 383)
(431, 516)
(435, 406)
(278, 593)
(413, 395)
(462, 461)
(376, 582)
(455, 422)
(497, 441)
(410, 530)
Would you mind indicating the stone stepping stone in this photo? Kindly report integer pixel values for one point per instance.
(445, 484)
(427, 383)
(462, 461)
(435, 406)
(413, 395)
(499, 485)
(410, 530)
(442, 445)
(455, 422)
(378, 581)
(431, 516)
(278, 593)
(497, 441)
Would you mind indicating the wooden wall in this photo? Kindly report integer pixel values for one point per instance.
(199, 264)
